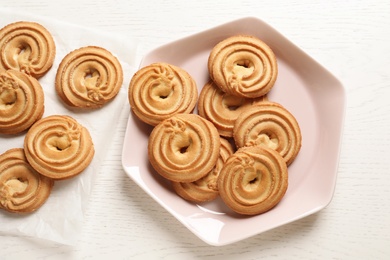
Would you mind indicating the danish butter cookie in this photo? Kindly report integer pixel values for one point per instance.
(159, 91)
(27, 47)
(222, 108)
(253, 180)
(206, 188)
(243, 66)
(22, 189)
(184, 147)
(88, 77)
(21, 101)
(271, 125)
(58, 147)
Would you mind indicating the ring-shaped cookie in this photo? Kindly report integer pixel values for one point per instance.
(184, 147)
(221, 108)
(160, 90)
(27, 47)
(253, 180)
(88, 77)
(58, 147)
(22, 189)
(243, 66)
(269, 124)
(206, 188)
(21, 101)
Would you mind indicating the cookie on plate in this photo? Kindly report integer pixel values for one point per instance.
(253, 180)
(161, 90)
(184, 147)
(271, 125)
(206, 188)
(243, 65)
(221, 108)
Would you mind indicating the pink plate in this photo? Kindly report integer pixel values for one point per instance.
(312, 94)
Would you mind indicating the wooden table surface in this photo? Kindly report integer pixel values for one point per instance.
(350, 38)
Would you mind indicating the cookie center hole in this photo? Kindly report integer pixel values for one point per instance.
(91, 77)
(8, 96)
(183, 149)
(233, 108)
(232, 103)
(244, 63)
(253, 181)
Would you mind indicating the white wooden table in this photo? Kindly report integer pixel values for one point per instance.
(350, 38)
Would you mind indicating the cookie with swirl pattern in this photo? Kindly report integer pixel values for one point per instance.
(253, 180)
(88, 77)
(269, 124)
(161, 90)
(221, 108)
(22, 189)
(243, 65)
(58, 147)
(206, 188)
(28, 47)
(21, 101)
(184, 147)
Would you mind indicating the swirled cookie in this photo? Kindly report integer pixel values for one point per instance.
(27, 47)
(21, 101)
(184, 147)
(253, 180)
(22, 189)
(271, 125)
(88, 77)
(206, 188)
(243, 66)
(58, 147)
(159, 91)
(222, 108)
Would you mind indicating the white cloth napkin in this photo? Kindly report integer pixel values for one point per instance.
(61, 218)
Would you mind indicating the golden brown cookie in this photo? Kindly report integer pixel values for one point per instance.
(21, 101)
(184, 147)
(58, 147)
(253, 180)
(222, 108)
(89, 77)
(159, 91)
(27, 47)
(22, 189)
(243, 66)
(206, 188)
(271, 125)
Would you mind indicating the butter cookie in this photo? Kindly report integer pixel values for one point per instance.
(221, 108)
(58, 147)
(184, 147)
(21, 101)
(243, 65)
(22, 189)
(28, 47)
(271, 125)
(161, 90)
(253, 180)
(88, 77)
(206, 188)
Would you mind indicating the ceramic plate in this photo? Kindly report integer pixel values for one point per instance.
(309, 91)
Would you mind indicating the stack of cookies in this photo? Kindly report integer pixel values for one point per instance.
(55, 147)
(238, 146)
